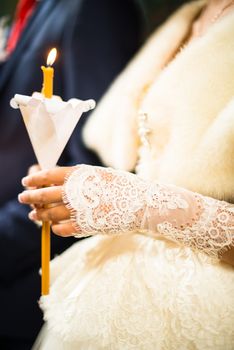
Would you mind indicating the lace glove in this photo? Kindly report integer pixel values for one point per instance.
(104, 200)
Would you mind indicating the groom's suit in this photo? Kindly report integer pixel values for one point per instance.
(94, 39)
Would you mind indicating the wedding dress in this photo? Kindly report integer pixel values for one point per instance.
(131, 287)
(150, 277)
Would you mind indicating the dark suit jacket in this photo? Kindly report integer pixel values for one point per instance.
(94, 39)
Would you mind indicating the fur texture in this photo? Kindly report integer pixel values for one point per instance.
(190, 106)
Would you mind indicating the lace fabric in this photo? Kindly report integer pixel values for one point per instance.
(108, 201)
(190, 219)
(104, 201)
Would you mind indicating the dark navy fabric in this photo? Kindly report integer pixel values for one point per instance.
(94, 39)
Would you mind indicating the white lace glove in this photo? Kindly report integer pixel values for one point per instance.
(104, 200)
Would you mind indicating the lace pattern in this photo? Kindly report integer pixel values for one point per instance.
(108, 201)
(104, 201)
(191, 219)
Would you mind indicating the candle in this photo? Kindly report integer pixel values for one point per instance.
(48, 74)
(47, 91)
(45, 258)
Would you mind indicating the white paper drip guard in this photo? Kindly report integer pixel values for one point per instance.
(50, 123)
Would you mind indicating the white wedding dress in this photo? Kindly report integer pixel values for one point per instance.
(153, 280)
(140, 290)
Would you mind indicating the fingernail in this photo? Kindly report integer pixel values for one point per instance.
(24, 181)
(21, 198)
(32, 215)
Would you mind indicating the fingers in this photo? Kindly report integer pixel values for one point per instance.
(42, 178)
(58, 215)
(55, 214)
(64, 229)
(41, 196)
(33, 169)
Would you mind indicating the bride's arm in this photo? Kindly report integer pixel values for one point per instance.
(193, 220)
(100, 200)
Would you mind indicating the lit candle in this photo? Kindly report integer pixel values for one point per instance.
(48, 74)
(47, 91)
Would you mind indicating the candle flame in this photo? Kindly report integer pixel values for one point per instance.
(51, 56)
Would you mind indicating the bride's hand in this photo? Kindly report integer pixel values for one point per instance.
(92, 200)
(51, 195)
(108, 201)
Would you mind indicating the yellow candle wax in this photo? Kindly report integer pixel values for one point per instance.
(45, 258)
(47, 91)
(48, 76)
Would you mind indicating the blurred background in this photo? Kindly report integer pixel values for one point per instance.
(155, 10)
(7, 7)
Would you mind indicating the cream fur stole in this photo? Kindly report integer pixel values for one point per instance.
(190, 105)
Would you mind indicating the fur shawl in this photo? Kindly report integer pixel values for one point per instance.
(190, 107)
